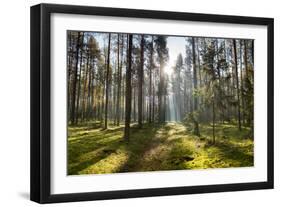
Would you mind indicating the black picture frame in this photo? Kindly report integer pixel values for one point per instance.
(41, 96)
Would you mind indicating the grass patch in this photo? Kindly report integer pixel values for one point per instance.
(169, 146)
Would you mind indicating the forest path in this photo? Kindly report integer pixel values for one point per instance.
(169, 146)
(167, 149)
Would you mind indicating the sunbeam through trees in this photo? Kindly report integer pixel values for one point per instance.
(142, 102)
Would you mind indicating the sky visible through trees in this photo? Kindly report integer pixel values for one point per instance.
(136, 84)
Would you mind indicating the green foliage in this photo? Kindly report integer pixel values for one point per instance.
(161, 48)
(192, 117)
(167, 146)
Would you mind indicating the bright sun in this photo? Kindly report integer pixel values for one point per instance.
(168, 69)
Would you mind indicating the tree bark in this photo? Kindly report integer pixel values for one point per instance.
(237, 85)
(75, 80)
(92, 102)
(134, 103)
(128, 91)
(84, 87)
(246, 59)
(150, 82)
(140, 84)
(69, 62)
(79, 82)
(214, 119)
(241, 84)
(89, 90)
(160, 91)
(153, 98)
(199, 64)
(107, 82)
(196, 124)
(118, 82)
(253, 56)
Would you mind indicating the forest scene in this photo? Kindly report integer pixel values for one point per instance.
(148, 102)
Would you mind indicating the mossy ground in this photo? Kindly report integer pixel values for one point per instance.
(169, 146)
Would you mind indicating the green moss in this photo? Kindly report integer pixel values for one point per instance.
(156, 147)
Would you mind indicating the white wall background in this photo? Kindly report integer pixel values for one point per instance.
(14, 104)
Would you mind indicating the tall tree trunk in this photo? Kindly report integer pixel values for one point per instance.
(178, 100)
(199, 64)
(79, 82)
(153, 98)
(84, 87)
(191, 102)
(89, 91)
(246, 59)
(89, 86)
(144, 113)
(107, 82)
(200, 75)
(196, 124)
(92, 103)
(253, 56)
(75, 80)
(247, 85)
(115, 89)
(103, 92)
(69, 62)
(123, 97)
(120, 82)
(134, 103)
(140, 83)
(252, 107)
(220, 86)
(237, 84)
(218, 66)
(242, 84)
(150, 81)
(185, 104)
(214, 119)
(119, 75)
(128, 90)
(160, 93)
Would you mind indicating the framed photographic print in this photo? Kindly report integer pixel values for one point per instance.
(132, 103)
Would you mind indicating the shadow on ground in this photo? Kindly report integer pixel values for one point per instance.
(155, 147)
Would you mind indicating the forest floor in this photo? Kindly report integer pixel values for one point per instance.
(169, 146)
